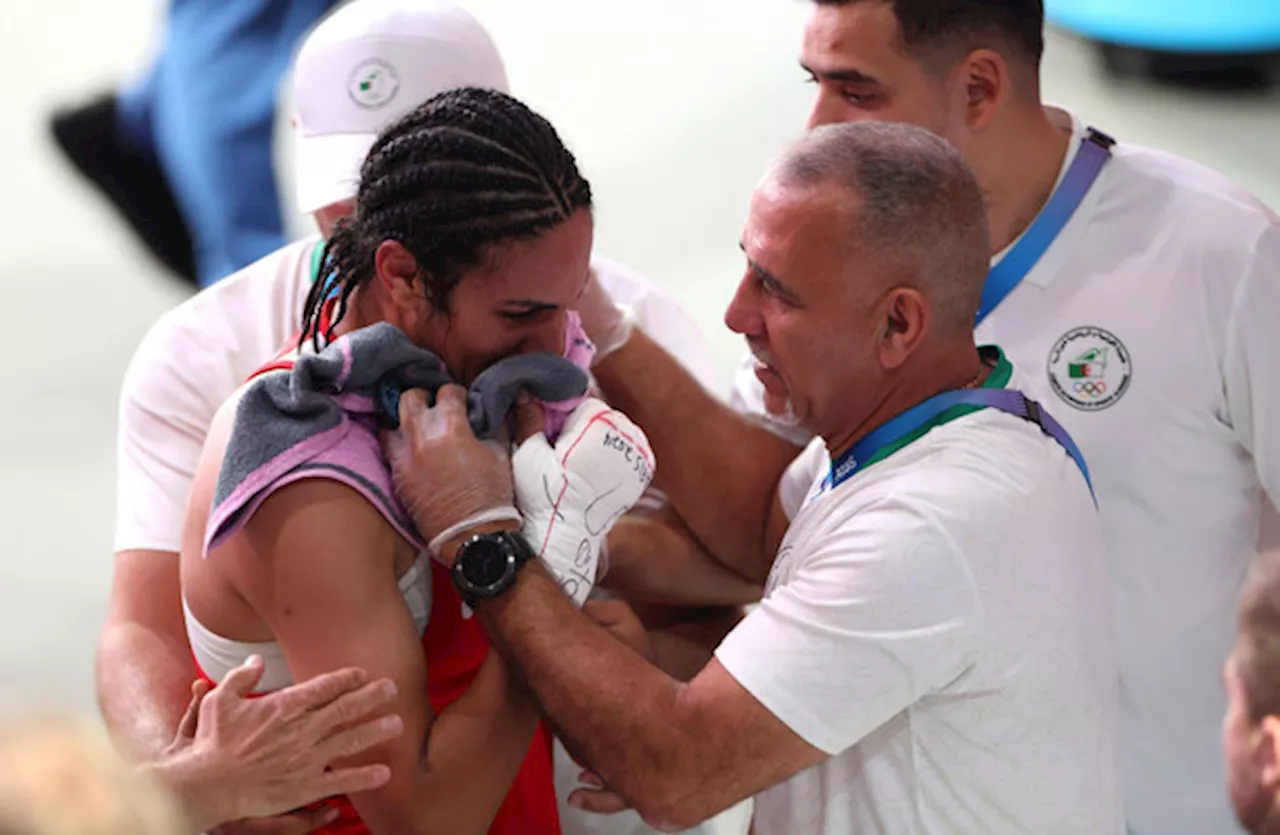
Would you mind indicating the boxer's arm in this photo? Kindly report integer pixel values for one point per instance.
(719, 468)
(653, 558)
(679, 640)
(318, 567)
(683, 640)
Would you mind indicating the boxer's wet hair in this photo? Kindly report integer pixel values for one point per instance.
(467, 169)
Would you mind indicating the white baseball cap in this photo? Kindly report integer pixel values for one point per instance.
(368, 64)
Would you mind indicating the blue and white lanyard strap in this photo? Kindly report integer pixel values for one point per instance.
(1095, 151)
(1009, 401)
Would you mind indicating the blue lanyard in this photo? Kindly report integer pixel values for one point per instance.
(912, 420)
(1095, 150)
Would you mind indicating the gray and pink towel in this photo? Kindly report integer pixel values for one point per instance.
(320, 418)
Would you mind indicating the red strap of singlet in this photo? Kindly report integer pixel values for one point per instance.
(283, 361)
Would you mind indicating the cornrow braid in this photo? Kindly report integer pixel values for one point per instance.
(466, 169)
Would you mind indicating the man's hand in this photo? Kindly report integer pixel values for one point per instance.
(186, 733)
(257, 757)
(448, 479)
(572, 494)
(301, 822)
(594, 796)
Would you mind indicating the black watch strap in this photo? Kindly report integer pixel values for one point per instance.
(487, 563)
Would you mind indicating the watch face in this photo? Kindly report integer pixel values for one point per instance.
(487, 563)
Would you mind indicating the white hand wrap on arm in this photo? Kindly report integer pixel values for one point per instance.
(571, 495)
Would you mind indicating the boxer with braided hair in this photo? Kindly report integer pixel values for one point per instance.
(472, 235)
(466, 170)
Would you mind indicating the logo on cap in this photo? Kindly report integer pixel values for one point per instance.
(373, 83)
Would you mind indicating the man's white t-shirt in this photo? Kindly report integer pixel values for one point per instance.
(938, 625)
(1151, 323)
(190, 361)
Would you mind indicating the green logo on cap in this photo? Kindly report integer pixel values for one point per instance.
(373, 83)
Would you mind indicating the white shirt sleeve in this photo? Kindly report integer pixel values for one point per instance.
(187, 365)
(800, 475)
(881, 611)
(165, 412)
(1252, 361)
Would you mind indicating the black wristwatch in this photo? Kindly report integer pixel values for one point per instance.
(487, 563)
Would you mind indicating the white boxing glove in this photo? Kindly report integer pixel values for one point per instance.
(571, 494)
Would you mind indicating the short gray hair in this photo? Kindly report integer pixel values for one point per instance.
(916, 207)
